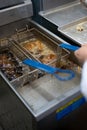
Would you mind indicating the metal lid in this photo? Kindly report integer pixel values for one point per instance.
(16, 12)
(7, 3)
(64, 13)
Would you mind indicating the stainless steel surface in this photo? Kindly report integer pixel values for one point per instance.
(49, 4)
(6, 3)
(15, 13)
(45, 93)
(76, 31)
(65, 14)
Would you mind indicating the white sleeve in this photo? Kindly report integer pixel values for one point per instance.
(84, 80)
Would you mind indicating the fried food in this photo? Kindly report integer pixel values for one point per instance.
(79, 28)
(47, 58)
(35, 47)
(9, 65)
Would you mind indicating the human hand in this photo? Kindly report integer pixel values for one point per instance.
(81, 54)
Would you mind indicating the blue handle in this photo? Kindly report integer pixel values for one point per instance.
(40, 66)
(50, 69)
(68, 46)
(70, 76)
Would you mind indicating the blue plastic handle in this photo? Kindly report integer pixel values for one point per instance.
(70, 76)
(40, 66)
(50, 69)
(69, 46)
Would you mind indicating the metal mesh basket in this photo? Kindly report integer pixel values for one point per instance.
(11, 65)
(39, 46)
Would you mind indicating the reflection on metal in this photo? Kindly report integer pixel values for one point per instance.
(49, 4)
(6, 3)
(65, 14)
(76, 31)
(17, 12)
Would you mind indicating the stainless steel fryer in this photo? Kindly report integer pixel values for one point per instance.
(32, 102)
(40, 95)
(24, 90)
(39, 92)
